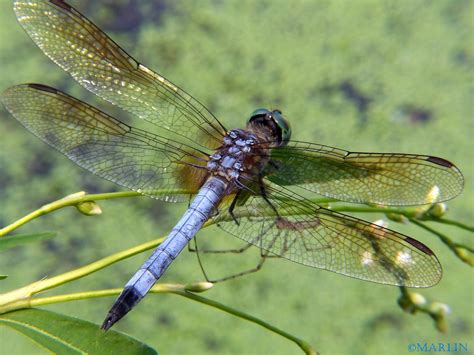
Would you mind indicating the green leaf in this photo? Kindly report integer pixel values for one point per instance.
(12, 241)
(66, 335)
(3, 277)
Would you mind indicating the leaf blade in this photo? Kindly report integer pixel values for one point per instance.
(67, 335)
(12, 241)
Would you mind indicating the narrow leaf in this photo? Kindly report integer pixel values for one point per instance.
(67, 335)
(15, 240)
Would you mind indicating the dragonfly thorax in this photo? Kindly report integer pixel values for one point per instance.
(236, 155)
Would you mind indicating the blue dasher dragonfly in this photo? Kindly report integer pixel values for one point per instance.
(241, 178)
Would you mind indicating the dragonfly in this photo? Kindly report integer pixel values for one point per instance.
(243, 179)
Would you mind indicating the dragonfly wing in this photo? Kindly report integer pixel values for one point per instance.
(96, 62)
(137, 159)
(308, 234)
(388, 179)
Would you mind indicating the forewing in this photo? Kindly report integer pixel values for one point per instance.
(310, 235)
(387, 179)
(101, 66)
(139, 160)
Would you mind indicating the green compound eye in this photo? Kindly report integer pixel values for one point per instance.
(258, 112)
(283, 125)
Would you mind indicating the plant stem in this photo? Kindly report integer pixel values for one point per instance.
(454, 223)
(42, 285)
(70, 200)
(301, 343)
(455, 247)
(177, 289)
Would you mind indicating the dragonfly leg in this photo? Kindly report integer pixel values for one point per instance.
(264, 254)
(263, 257)
(232, 206)
(263, 192)
(246, 272)
(197, 251)
(221, 251)
(198, 258)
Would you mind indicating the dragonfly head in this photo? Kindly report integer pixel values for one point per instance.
(270, 124)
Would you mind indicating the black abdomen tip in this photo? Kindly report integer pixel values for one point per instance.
(124, 303)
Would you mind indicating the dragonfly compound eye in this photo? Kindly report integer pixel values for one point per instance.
(283, 125)
(272, 121)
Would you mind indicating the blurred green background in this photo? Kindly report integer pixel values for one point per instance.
(390, 76)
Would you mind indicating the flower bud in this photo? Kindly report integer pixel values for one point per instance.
(89, 208)
(396, 217)
(438, 210)
(417, 299)
(199, 286)
(440, 308)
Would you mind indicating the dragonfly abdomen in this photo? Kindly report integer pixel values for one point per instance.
(150, 272)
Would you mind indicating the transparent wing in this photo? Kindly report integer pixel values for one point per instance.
(102, 67)
(305, 233)
(388, 179)
(139, 160)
